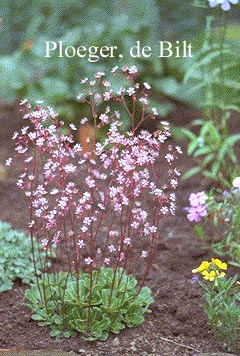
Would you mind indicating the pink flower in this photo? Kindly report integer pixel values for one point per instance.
(84, 80)
(81, 244)
(127, 241)
(70, 168)
(144, 254)
(21, 149)
(106, 261)
(104, 118)
(132, 70)
(90, 182)
(111, 249)
(169, 157)
(196, 213)
(99, 75)
(147, 86)
(131, 91)
(8, 161)
(73, 127)
(197, 199)
(88, 261)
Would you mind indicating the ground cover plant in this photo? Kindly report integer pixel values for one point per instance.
(97, 292)
(16, 258)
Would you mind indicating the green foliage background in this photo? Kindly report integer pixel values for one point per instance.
(27, 24)
(24, 72)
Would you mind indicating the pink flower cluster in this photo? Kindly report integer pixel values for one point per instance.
(198, 208)
(97, 205)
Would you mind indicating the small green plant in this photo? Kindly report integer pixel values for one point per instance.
(16, 257)
(222, 302)
(62, 302)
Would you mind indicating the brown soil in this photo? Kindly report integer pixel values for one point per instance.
(177, 325)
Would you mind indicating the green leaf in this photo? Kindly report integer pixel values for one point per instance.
(56, 333)
(209, 131)
(207, 160)
(203, 151)
(231, 140)
(191, 172)
(38, 317)
(216, 168)
(188, 134)
(192, 147)
(200, 231)
(133, 319)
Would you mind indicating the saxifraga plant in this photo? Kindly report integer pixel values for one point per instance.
(89, 204)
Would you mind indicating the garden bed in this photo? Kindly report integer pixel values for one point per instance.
(177, 325)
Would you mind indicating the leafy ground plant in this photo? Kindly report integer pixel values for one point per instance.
(222, 302)
(102, 222)
(113, 306)
(16, 260)
(221, 209)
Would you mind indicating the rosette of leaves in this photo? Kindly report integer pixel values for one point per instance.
(93, 304)
(16, 258)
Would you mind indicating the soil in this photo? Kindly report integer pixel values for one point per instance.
(177, 325)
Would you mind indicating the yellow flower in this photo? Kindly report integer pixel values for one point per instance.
(213, 276)
(203, 266)
(219, 263)
(211, 271)
(209, 276)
